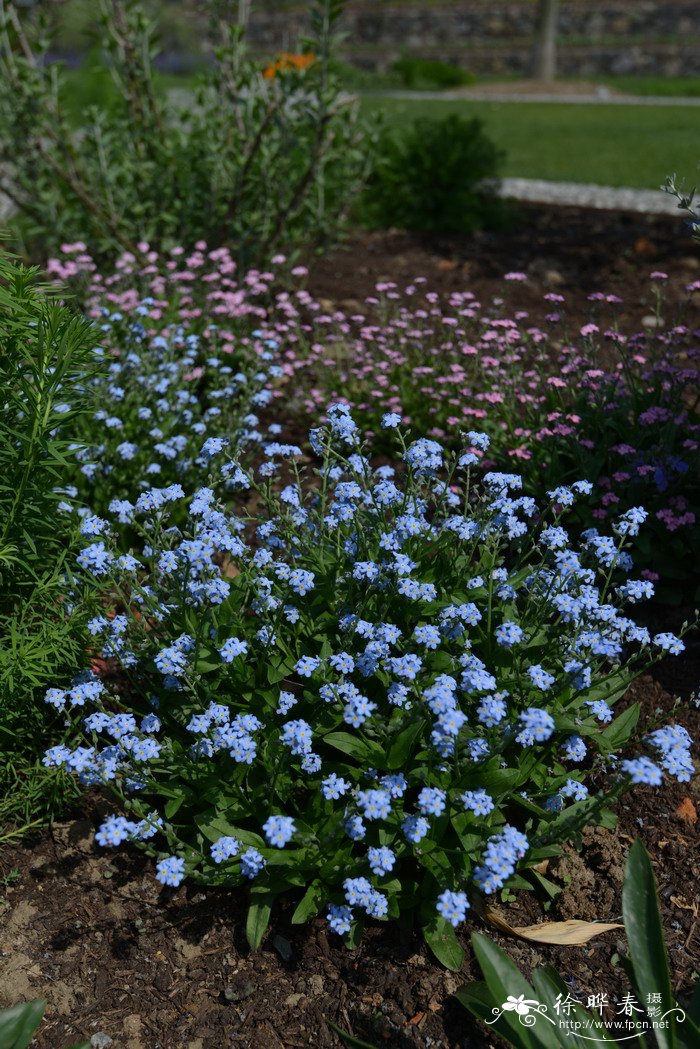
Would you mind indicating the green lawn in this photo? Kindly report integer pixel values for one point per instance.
(610, 145)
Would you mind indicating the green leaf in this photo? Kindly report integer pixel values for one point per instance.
(619, 731)
(503, 978)
(172, 806)
(548, 987)
(570, 822)
(401, 748)
(309, 905)
(258, 916)
(352, 938)
(362, 749)
(19, 1023)
(645, 936)
(349, 1039)
(442, 940)
(477, 998)
(494, 781)
(610, 690)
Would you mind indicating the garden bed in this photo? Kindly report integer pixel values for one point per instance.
(574, 251)
(170, 969)
(154, 967)
(115, 954)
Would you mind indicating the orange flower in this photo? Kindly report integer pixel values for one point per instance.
(287, 61)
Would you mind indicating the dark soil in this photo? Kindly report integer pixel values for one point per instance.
(573, 251)
(92, 932)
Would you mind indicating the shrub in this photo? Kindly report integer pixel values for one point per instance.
(405, 682)
(619, 410)
(436, 176)
(46, 357)
(254, 160)
(428, 72)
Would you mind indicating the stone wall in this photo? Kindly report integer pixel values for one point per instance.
(488, 36)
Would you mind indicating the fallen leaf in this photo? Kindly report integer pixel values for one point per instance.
(415, 1020)
(687, 811)
(447, 264)
(680, 901)
(571, 933)
(541, 867)
(643, 246)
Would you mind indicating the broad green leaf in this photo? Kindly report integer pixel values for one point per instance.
(619, 731)
(258, 916)
(477, 998)
(363, 750)
(570, 821)
(172, 807)
(549, 988)
(309, 905)
(352, 938)
(493, 781)
(504, 979)
(610, 690)
(402, 746)
(19, 1023)
(442, 940)
(645, 936)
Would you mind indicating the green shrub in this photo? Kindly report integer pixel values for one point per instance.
(257, 157)
(417, 73)
(438, 176)
(45, 358)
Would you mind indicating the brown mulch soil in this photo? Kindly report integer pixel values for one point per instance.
(573, 251)
(92, 931)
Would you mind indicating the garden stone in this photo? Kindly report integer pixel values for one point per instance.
(100, 1040)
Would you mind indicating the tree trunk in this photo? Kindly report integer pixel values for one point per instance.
(544, 56)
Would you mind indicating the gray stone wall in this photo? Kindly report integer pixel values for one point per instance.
(595, 36)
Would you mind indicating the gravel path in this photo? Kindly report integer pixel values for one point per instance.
(589, 195)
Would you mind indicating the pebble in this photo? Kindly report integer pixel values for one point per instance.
(101, 1040)
(316, 984)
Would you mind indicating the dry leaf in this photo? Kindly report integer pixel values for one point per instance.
(643, 246)
(680, 901)
(415, 1020)
(541, 867)
(570, 933)
(687, 811)
(447, 264)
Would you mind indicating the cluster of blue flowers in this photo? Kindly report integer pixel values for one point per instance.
(344, 673)
(171, 402)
